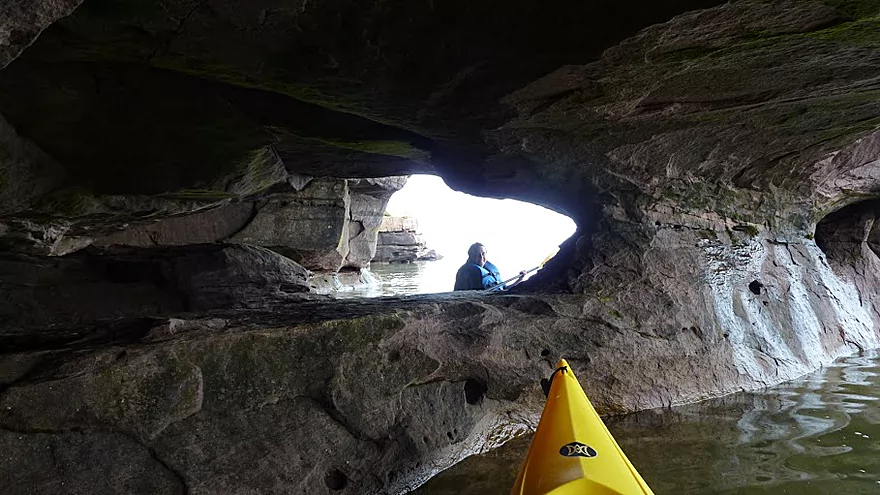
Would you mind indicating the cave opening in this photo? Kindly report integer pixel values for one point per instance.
(427, 229)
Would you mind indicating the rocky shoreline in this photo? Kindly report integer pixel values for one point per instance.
(400, 242)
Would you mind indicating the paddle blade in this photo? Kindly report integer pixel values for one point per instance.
(548, 258)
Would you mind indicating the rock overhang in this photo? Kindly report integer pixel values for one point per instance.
(228, 81)
(706, 111)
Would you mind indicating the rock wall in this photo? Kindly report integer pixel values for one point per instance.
(98, 286)
(376, 396)
(369, 199)
(347, 280)
(326, 225)
(21, 23)
(400, 242)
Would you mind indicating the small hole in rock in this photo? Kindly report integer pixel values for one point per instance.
(449, 434)
(766, 303)
(427, 441)
(545, 353)
(335, 479)
(474, 390)
(755, 287)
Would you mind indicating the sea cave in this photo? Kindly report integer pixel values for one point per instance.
(173, 171)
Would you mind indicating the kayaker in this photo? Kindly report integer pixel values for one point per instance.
(478, 273)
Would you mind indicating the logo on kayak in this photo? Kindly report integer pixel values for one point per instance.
(577, 449)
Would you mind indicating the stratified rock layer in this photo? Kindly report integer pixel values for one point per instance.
(94, 287)
(324, 224)
(400, 242)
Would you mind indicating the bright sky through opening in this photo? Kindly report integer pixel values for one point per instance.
(517, 235)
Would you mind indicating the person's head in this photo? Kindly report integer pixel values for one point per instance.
(477, 254)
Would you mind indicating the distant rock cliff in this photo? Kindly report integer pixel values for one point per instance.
(400, 242)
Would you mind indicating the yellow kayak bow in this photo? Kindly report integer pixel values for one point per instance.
(572, 451)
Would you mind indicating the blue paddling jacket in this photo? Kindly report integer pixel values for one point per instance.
(472, 276)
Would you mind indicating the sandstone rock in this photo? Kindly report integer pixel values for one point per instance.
(407, 238)
(430, 255)
(202, 227)
(399, 224)
(399, 242)
(46, 292)
(47, 238)
(70, 219)
(342, 281)
(327, 225)
(676, 72)
(264, 170)
(697, 157)
(26, 172)
(82, 461)
(398, 254)
(460, 372)
(85, 287)
(369, 197)
(214, 275)
(379, 185)
(21, 23)
(125, 397)
(310, 226)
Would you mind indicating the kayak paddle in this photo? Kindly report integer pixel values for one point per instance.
(502, 284)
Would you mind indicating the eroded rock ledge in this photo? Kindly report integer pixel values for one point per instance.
(375, 396)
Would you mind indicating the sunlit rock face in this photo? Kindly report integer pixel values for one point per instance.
(400, 242)
(721, 165)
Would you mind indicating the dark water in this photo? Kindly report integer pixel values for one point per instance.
(819, 434)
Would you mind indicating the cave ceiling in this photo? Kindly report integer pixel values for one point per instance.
(570, 105)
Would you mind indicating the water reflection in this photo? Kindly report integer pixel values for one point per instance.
(397, 279)
(815, 435)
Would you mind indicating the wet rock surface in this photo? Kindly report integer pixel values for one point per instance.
(376, 395)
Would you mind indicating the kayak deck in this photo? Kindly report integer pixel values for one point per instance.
(572, 451)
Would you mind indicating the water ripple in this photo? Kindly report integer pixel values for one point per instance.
(818, 434)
